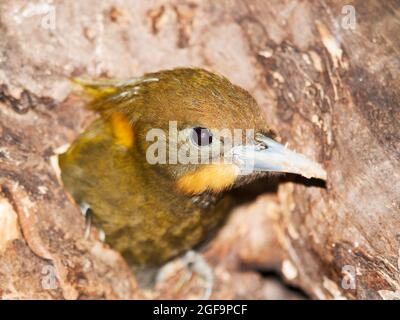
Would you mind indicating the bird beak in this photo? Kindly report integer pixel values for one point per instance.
(268, 155)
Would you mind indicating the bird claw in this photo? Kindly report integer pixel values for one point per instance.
(88, 225)
(86, 212)
(191, 262)
(196, 263)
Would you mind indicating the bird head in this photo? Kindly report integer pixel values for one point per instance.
(195, 128)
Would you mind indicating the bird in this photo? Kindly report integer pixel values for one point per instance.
(154, 168)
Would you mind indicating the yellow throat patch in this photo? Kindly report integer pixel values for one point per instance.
(213, 177)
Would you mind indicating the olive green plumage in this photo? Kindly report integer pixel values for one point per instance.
(137, 205)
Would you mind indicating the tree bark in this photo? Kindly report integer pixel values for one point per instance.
(327, 83)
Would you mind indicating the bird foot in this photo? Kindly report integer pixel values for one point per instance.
(86, 212)
(197, 264)
(193, 263)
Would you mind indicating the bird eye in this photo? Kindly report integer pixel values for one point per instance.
(201, 137)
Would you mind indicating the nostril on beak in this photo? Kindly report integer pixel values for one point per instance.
(268, 155)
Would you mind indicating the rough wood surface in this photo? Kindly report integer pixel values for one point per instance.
(329, 90)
